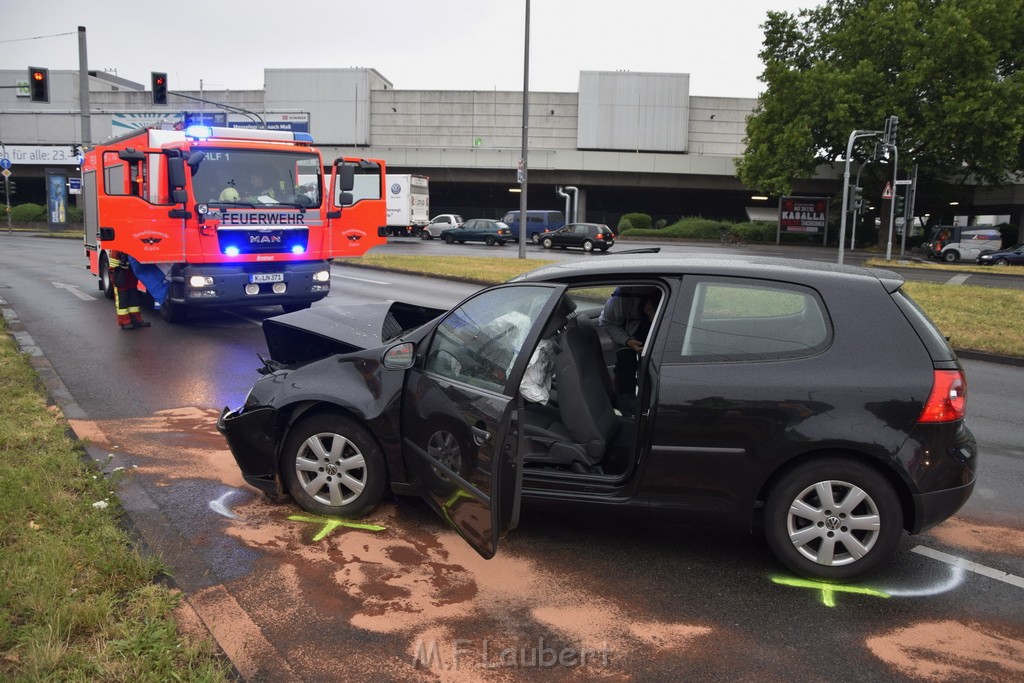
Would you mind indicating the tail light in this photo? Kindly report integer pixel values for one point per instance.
(600, 236)
(948, 400)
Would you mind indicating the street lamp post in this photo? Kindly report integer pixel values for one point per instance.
(526, 138)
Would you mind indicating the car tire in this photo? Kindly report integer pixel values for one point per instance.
(425, 235)
(605, 248)
(1002, 261)
(536, 238)
(813, 537)
(448, 239)
(588, 245)
(548, 244)
(501, 243)
(951, 256)
(331, 465)
(489, 240)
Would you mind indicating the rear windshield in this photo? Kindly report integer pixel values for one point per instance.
(937, 345)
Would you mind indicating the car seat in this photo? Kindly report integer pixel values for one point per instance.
(586, 421)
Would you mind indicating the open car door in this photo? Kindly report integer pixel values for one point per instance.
(462, 410)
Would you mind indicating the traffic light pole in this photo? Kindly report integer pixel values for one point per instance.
(892, 200)
(853, 226)
(83, 88)
(846, 185)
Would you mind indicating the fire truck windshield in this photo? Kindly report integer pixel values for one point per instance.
(258, 178)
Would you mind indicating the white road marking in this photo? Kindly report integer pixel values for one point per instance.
(955, 561)
(956, 577)
(958, 279)
(74, 290)
(360, 279)
(220, 506)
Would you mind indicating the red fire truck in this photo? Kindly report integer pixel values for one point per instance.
(228, 216)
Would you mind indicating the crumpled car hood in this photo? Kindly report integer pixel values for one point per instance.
(315, 333)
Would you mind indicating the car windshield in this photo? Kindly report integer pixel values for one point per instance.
(258, 178)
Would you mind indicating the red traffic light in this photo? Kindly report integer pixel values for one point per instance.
(38, 84)
(158, 80)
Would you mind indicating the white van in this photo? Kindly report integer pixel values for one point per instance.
(952, 243)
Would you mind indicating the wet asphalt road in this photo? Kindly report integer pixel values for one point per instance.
(289, 597)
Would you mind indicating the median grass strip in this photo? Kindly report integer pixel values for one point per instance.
(951, 268)
(479, 269)
(77, 601)
(976, 318)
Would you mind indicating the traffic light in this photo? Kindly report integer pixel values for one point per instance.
(856, 201)
(39, 84)
(159, 81)
(892, 124)
(901, 203)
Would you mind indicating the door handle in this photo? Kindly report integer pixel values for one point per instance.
(480, 435)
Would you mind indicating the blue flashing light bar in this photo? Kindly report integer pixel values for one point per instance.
(231, 251)
(303, 137)
(199, 132)
(298, 249)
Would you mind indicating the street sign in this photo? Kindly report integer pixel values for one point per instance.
(887, 193)
(5, 173)
(5, 163)
(908, 181)
(74, 186)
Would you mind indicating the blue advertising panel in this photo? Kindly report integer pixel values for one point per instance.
(56, 198)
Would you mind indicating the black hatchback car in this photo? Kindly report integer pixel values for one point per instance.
(587, 236)
(815, 402)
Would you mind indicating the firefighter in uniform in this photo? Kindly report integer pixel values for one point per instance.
(126, 292)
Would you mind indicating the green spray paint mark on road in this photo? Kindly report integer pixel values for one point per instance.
(332, 523)
(828, 590)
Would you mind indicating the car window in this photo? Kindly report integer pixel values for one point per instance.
(736, 320)
(479, 342)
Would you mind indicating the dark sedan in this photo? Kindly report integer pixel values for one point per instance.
(749, 402)
(1013, 256)
(479, 230)
(586, 236)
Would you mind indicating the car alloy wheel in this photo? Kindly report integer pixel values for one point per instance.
(536, 238)
(444, 447)
(333, 466)
(588, 245)
(548, 244)
(951, 257)
(1002, 261)
(489, 240)
(834, 519)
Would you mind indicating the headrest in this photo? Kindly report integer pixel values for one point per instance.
(560, 316)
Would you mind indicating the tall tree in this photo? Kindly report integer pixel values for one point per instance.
(951, 70)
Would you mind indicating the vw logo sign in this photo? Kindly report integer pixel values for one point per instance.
(396, 188)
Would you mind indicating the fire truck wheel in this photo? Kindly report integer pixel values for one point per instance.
(173, 313)
(106, 282)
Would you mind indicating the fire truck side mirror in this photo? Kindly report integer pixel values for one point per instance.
(179, 196)
(346, 177)
(344, 199)
(194, 160)
(175, 174)
(131, 154)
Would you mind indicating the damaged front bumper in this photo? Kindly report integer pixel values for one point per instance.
(252, 437)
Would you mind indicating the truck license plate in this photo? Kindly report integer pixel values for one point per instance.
(266, 277)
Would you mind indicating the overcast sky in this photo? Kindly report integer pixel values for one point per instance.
(425, 45)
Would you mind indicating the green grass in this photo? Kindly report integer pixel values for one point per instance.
(77, 600)
(975, 318)
(477, 269)
(948, 267)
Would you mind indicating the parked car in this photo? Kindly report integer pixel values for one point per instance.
(588, 236)
(537, 223)
(1004, 257)
(952, 243)
(757, 407)
(439, 224)
(478, 230)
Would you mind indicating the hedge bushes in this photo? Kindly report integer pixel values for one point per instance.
(635, 221)
(36, 213)
(706, 229)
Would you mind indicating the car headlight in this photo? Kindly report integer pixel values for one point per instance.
(322, 276)
(200, 281)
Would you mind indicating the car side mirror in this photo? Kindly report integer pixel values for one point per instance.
(400, 357)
